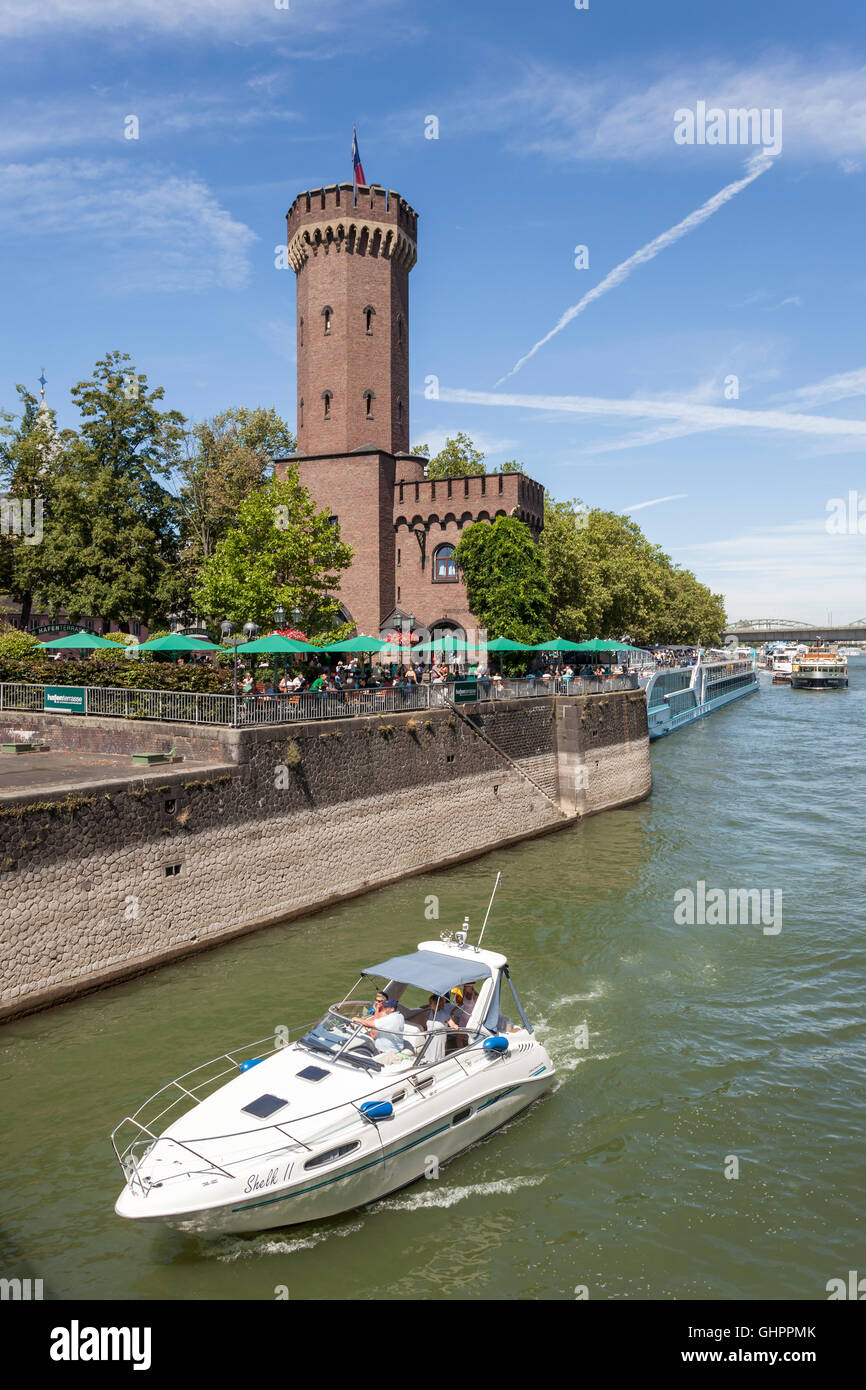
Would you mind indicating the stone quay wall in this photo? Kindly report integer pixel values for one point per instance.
(104, 885)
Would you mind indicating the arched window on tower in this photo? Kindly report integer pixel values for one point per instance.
(399, 410)
(301, 413)
(368, 319)
(327, 397)
(444, 565)
(327, 315)
(400, 329)
(369, 397)
(301, 330)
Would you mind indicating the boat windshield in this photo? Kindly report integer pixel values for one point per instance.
(331, 1033)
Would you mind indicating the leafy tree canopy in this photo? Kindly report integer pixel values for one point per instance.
(111, 528)
(607, 580)
(223, 459)
(279, 550)
(459, 458)
(506, 580)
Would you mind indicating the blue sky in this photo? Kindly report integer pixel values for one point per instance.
(556, 130)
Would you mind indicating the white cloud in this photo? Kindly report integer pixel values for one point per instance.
(842, 386)
(98, 117)
(152, 229)
(701, 417)
(591, 114)
(797, 571)
(488, 444)
(242, 21)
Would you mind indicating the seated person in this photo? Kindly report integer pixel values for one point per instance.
(378, 1006)
(439, 1012)
(386, 1030)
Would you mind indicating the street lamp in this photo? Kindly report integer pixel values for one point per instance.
(227, 630)
(296, 616)
(280, 620)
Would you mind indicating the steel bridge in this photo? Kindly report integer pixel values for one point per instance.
(754, 631)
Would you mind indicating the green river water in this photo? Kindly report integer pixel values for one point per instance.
(706, 1041)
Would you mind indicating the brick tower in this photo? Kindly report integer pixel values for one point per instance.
(352, 251)
(352, 257)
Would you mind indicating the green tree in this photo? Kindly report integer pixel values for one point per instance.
(506, 582)
(458, 458)
(110, 525)
(607, 580)
(223, 459)
(280, 550)
(31, 461)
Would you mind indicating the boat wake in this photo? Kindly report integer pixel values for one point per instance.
(268, 1245)
(443, 1198)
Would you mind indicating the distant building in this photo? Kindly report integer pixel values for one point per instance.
(352, 251)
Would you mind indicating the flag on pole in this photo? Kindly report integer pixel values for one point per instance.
(357, 166)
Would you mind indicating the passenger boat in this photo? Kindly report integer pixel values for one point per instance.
(681, 694)
(819, 670)
(287, 1130)
(783, 660)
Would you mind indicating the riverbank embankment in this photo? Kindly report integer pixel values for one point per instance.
(256, 826)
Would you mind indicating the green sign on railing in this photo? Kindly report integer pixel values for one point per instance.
(70, 699)
(464, 691)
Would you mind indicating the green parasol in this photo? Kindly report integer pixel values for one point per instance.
(82, 641)
(445, 644)
(597, 645)
(176, 642)
(276, 643)
(559, 644)
(505, 644)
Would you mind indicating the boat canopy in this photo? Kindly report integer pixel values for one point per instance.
(431, 971)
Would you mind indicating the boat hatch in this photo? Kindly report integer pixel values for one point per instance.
(264, 1106)
(313, 1073)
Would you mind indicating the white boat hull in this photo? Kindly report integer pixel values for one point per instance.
(393, 1157)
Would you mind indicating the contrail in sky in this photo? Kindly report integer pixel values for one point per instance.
(755, 167)
(674, 497)
(700, 417)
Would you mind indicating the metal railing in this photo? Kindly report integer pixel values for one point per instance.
(130, 1151)
(179, 706)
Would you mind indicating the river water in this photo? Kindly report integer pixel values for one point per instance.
(707, 1043)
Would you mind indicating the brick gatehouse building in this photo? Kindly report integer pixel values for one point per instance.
(352, 251)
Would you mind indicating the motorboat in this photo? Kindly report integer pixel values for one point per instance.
(312, 1122)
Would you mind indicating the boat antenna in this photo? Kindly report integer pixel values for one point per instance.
(489, 905)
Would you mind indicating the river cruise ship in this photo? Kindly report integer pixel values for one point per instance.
(680, 695)
(819, 671)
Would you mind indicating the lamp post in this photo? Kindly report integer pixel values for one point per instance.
(280, 620)
(227, 630)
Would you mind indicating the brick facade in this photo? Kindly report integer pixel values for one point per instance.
(352, 252)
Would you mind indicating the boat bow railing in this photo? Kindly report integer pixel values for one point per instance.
(145, 1140)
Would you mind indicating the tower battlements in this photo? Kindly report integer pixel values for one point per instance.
(372, 220)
